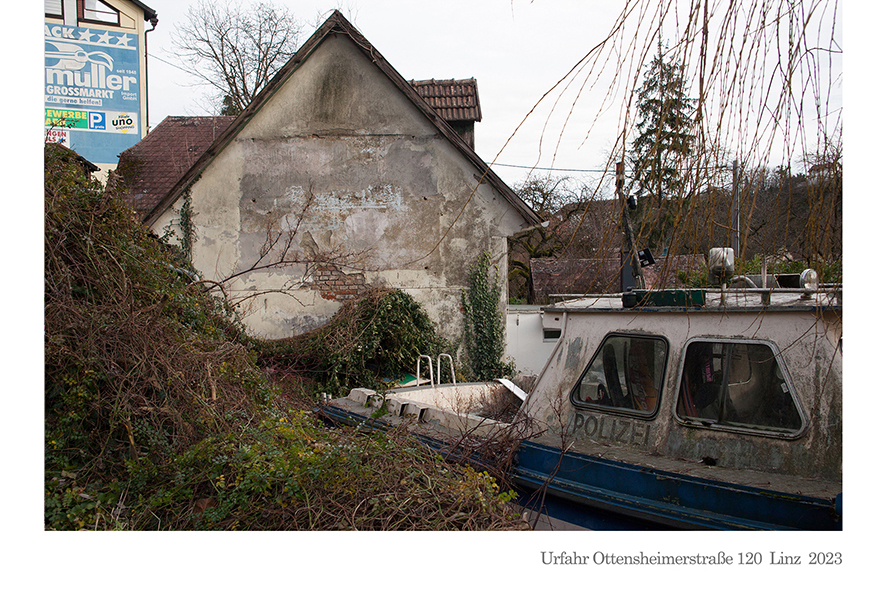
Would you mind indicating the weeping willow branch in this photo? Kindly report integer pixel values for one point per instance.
(768, 74)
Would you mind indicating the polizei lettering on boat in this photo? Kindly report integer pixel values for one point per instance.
(609, 428)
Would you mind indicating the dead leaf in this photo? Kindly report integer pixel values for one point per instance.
(204, 503)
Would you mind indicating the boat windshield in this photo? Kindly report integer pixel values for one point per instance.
(625, 375)
(736, 384)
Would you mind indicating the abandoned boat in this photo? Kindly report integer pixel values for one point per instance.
(694, 409)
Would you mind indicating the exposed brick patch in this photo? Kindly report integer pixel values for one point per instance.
(335, 285)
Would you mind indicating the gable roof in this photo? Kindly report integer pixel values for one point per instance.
(454, 100)
(337, 23)
(151, 167)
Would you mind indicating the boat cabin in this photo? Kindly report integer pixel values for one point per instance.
(735, 382)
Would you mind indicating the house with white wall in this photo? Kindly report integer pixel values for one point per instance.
(338, 177)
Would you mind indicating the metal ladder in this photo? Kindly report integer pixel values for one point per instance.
(431, 368)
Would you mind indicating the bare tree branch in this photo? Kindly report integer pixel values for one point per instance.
(236, 49)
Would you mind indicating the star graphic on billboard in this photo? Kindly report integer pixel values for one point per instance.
(86, 35)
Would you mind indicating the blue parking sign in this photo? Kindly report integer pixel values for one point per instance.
(96, 120)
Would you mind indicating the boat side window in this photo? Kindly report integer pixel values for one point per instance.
(625, 375)
(736, 384)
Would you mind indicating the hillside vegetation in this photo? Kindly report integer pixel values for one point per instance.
(158, 415)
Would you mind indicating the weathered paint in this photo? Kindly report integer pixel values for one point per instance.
(385, 196)
(808, 352)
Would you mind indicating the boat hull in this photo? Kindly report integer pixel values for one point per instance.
(598, 493)
(657, 498)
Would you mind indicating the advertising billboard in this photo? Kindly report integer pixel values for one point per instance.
(92, 90)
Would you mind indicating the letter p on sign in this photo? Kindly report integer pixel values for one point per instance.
(96, 120)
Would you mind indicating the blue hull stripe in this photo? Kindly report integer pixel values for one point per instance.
(591, 491)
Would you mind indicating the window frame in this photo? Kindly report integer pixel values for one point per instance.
(551, 334)
(629, 412)
(706, 424)
(61, 10)
(81, 14)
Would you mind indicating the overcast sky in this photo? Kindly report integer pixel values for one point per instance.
(516, 49)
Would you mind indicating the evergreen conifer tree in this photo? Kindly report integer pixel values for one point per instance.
(660, 151)
(664, 125)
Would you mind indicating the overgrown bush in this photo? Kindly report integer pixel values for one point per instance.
(288, 473)
(296, 474)
(133, 353)
(368, 343)
(139, 363)
(157, 416)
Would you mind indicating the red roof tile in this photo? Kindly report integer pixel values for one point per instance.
(153, 166)
(454, 100)
(573, 276)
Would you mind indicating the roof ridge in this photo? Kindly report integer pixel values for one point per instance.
(334, 24)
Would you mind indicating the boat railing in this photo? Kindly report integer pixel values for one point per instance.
(747, 287)
(766, 293)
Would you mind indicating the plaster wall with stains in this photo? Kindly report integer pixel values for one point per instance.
(365, 180)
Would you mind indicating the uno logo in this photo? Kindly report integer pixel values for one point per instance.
(123, 122)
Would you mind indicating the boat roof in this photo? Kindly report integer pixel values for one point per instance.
(714, 301)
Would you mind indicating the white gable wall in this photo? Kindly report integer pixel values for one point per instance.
(381, 187)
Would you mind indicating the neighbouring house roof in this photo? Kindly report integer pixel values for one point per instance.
(151, 167)
(663, 273)
(454, 100)
(582, 276)
(338, 24)
(87, 166)
(573, 276)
